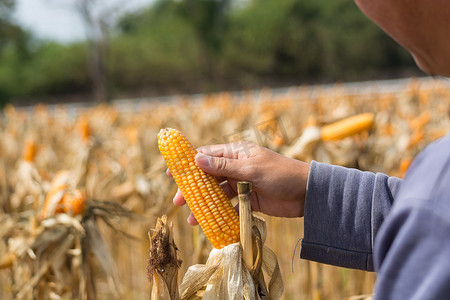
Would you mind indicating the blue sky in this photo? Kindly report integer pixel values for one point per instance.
(58, 19)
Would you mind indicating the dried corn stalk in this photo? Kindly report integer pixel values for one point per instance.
(407, 119)
(46, 260)
(163, 262)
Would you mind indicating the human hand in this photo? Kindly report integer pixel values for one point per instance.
(279, 182)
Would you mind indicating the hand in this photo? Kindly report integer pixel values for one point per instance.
(279, 182)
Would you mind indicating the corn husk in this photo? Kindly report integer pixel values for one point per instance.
(225, 276)
(163, 262)
(360, 297)
(305, 146)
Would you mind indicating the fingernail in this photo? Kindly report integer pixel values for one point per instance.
(202, 160)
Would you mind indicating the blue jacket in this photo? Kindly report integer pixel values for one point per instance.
(399, 228)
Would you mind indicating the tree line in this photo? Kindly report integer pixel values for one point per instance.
(187, 46)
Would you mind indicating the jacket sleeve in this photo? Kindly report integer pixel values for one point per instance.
(412, 253)
(344, 209)
(413, 245)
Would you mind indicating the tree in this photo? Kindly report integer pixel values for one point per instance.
(97, 39)
(8, 30)
(6, 10)
(209, 19)
(99, 16)
(14, 38)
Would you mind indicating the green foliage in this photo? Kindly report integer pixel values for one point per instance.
(56, 68)
(202, 45)
(355, 45)
(162, 53)
(29, 68)
(177, 43)
(307, 39)
(51, 69)
(6, 11)
(7, 27)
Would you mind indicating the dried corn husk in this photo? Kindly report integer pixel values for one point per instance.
(163, 262)
(224, 276)
(7, 260)
(360, 297)
(304, 147)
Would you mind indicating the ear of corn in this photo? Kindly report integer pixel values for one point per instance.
(30, 151)
(53, 202)
(74, 202)
(61, 198)
(347, 127)
(83, 129)
(205, 197)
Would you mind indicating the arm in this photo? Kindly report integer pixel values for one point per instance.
(413, 245)
(411, 253)
(344, 209)
(279, 182)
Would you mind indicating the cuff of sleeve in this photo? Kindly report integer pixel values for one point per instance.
(336, 257)
(335, 231)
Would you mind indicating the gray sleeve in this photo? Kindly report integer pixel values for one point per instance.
(413, 245)
(344, 209)
(412, 253)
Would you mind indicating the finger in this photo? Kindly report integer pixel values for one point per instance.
(178, 199)
(223, 167)
(236, 208)
(220, 178)
(192, 220)
(216, 150)
(168, 173)
(228, 189)
(231, 150)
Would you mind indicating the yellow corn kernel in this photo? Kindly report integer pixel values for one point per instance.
(347, 127)
(205, 197)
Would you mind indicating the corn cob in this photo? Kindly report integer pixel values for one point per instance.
(73, 202)
(53, 202)
(205, 197)
(30, 151)
(347, 127)
(83, 129)
(63, 199)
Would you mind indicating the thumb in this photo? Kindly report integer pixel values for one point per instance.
(219, 166)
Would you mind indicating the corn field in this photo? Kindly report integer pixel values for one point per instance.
(111, 155)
